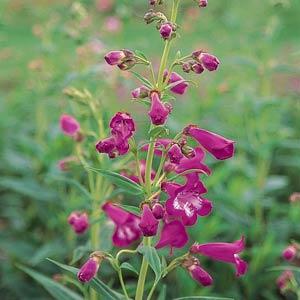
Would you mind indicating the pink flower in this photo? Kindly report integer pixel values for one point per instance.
(140, 93)
(220, 147)
(159, 111)
(122, 125)
(181, 87)
(200, 275)
(89, 270)
(166, 31)
(104, 5)
(289, 253)
(284, 279)
(175, 154)
(148, 223)
(158, 211)
(186, 201)
(173, 234)
(197, 68)
(209, 61)
(113, 24)
(115, 57)
(203, 3)
(127, 228)
(69, 125)
(225, 252)
(79, 221)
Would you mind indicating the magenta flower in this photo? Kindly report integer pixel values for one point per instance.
(158, 211)
(186, 201)
(203, 3)
(209, 61)
(174, 235)
(289, 253)
(200, 275)
(225, 252)
(122, 125)
(220, 147)
(69, 125)
(127, 228)
(115, 57)
(284, 279)
(79, 221)
(166, 31)
(148, 223)
(175, 154)
(159, 111)
(182, 85)
(140, 92)
(89, 270)
(194, 163)
(113, 146)
(197, 68)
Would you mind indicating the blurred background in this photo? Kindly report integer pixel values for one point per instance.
(47, 45)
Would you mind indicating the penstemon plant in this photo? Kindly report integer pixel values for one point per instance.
(178, 174)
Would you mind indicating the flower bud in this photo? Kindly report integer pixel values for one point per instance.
(200, 275)
(166, 31)
(289, 253)
(148, 223)
(209, 61)
(203, 3)
(128, 64)
(284, 279)
(89, 270)
(188, 151)
(114, 57)
(186, 67)
(158, 211)
(79, 222)
(140, 92)
(175, 154)
(159, 111)
(69, 125)
(197, 68)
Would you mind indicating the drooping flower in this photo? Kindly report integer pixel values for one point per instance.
(173, 234)
(79, 222)
(220, 147)
(158, 211)
(197, 68)
(127, 225)
(159, 111)
(284, 279)
(140, 92)
(175, 154)
(179, 88)
(166, 31)
(115, 57)
(289, 253)
(122, 125)
(209, 61)
(225, 252)
(187, 202)
(69, 125)
(89, 270)
(148, 223)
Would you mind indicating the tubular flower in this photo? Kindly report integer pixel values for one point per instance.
(159, 111)
(182, 85)
(122, 125)
(148, 223)
(127, 225)
(209, 61)
(225, 252)
(186, 201)
(69, 125)
(289, 253)
(79, 222)
(175, 155)
(174, 235)
(220, 147)
(166, 31)
(89, 270)
(114, 57)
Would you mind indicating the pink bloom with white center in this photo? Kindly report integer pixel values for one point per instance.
(148, 223)
(79, 222)
(159, 111)
(127, 228)
(69, 125)
(179, 88)
(187, 202)
(174, 235)
(225, 252)
(220, 147)
(289, 253)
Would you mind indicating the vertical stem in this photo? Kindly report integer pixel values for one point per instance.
(149, 161)
(123, 284)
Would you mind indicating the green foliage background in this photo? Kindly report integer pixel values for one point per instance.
(253, 99)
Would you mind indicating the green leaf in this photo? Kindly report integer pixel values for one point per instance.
(57, 290)
(203, 298)
(126, 184)
(153, 259)
(158, 131)
(163, 293)
(95, 283)
(284, 268)
(130, 267)
(133, 209)
(144, 80)
(78, 253)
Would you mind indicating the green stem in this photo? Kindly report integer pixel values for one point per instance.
(152, 290)
(149, 162)
(123, 284)
(143, 273)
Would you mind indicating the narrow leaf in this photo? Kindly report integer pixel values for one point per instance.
(130, 267)
(133, 209)
(144, 80)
